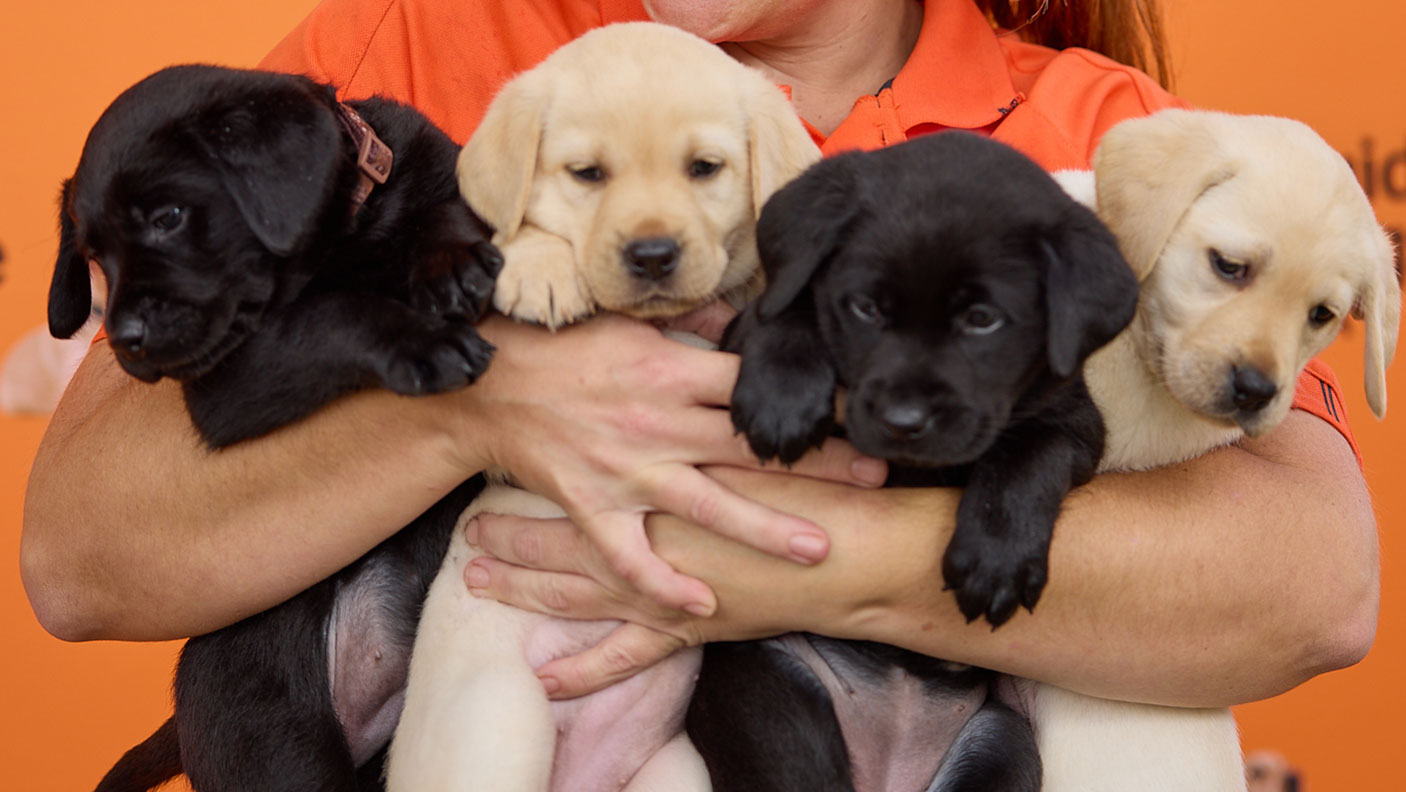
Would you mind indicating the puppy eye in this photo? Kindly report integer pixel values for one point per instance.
(1230, 269)
(864, 308)
(587, 173)
(1320, 315)
(702, 169)
(980, 319)
(168, 218)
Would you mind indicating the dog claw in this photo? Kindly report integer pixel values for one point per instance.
(782, 429)
(440, 360)
(457, 280)
(987, 586)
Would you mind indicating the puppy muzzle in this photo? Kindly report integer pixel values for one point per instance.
(159, 338)
(918, 429)
(1248, 397)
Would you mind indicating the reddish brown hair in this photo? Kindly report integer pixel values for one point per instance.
(1128, 31)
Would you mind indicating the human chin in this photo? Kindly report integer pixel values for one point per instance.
(719, 20)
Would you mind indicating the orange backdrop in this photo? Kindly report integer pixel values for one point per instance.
(67, 711)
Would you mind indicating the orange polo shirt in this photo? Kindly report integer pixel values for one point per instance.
(449, 57)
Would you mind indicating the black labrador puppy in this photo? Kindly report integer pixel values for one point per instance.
(954, 290)
(272, 249)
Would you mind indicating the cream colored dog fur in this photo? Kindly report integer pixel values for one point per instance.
(1253, 243)
(632, 132)
(581, 156)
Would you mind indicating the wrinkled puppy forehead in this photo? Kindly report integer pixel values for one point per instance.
(924, 266)
(639, 78)
(642, 149)
(1290, 197)
(1297, 177)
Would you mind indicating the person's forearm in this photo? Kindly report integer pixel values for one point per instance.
(133, 530)
(1230, 578)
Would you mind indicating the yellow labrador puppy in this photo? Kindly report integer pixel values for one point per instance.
(1253, 243)
(629, 182)
(623, 173)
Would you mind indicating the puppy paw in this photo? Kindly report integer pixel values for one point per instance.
(437, 359)
(456, 280)
(992, 575)
(540, 283)
(784, 411)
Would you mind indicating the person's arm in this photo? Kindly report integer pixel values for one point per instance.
(133, 530)
(1226, 579)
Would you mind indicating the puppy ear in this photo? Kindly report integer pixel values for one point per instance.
(497, 165)
(70, 294)
(1090, 292)
(799, 228)
(1379, 308)
(277, 159)
(1148, 173)
(780, 148)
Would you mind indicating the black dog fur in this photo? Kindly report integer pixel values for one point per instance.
(954, 289)
(219, 205)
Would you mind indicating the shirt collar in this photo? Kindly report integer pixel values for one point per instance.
(957, 75)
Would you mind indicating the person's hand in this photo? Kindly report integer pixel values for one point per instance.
(552, 566)
(549, 566)
(610, 419)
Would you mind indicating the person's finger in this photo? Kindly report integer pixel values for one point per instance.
(687, 492)
(621, 540)
(550, 544)
(626, 651)
(550, 593)
(706, 375)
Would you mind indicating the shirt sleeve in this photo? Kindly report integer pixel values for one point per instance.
(1317, 392)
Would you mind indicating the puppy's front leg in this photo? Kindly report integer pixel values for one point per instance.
(998, 557)
(784, 401)
(322, 347)
(541, 281)
(453, 266)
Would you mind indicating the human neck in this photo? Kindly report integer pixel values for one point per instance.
(849, 50)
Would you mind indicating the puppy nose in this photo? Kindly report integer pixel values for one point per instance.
(1252, 389)
(128, 333)
(653, 257)
(906, 421)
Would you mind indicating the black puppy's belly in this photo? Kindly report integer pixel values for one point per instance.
(764, 723)
(254, 702)
(803, 713)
